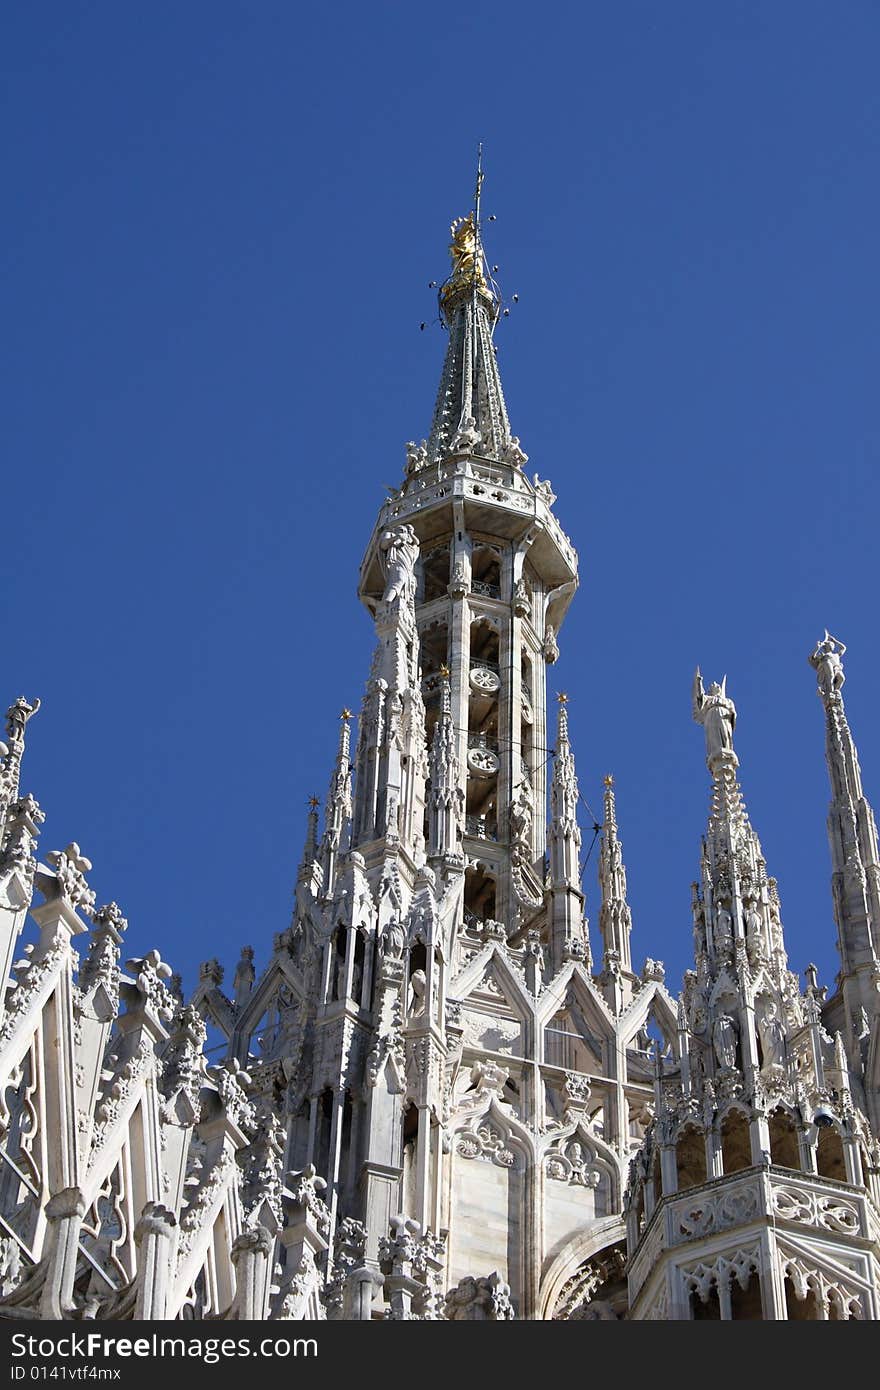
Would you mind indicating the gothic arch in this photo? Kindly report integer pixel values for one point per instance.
(782, 1124)
(690, 1155)
(652, 1001)
(575, 981)
(262, 996)
(562, 1264)
(595, 1165)
(516, 1137)
(734, 1131)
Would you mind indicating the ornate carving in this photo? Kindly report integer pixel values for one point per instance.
(70, 869)
(482, 1300)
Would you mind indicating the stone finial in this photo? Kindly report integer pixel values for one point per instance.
(302, 1202)
(245, 974)
(211, 971)
(232, 1081)
(148, 991)
(101, 966)
(70, 867)
(183, 1068)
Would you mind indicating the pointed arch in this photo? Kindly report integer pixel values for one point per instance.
(561, 1263)
(652, 1000)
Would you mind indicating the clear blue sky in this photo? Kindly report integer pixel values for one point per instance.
(220, 223)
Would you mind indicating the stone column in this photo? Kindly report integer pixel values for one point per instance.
(361, 1286)
(251, 1256)
(64, 1213)
(153, 1236)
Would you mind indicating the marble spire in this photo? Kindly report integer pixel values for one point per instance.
(470, 415)
(852, 836)
(568, 928)
(615, 918)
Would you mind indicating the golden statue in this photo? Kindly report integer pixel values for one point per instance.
(467, 260)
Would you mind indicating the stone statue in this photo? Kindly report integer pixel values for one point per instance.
(723, 929)
(754, 932)
(416, 455)
(393, 939)
(418, 983)
(467, 436)
(357, 978)
(401, 548)
(514, 454)
(699, 928)
(17, 717)
(717, 713)
(521, 819)
(771, 1034)
(544, 489)
(828, 666)
(724, 1039)
(550, 647)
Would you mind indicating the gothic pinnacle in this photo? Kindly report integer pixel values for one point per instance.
(310, 848)
(615, 918)
(568, 926)
(852, 837)
(470, 415)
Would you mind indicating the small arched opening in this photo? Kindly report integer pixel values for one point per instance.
(801, 1305)
(784, 1151)
(479, 896)
(745, 1303)
(486, 571)
(690, 1157)
(323, 1132)
(337, 963)
(706, 1309)
(830, 1162)
(435, 573)
(736, 1148)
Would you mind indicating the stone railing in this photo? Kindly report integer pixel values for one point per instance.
(485, 590)
(480, 828)
(484, 483)
(756, 1195)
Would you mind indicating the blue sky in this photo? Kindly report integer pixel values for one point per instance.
(220, 224)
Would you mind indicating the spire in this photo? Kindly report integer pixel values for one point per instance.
(565, 836)
(615, 918)
(337, 824)
(310, 848)
(852, 836)
(568, 930)
(470, 415)
(736, 917)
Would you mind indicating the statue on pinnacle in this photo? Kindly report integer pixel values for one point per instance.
(826, 662)
(714, 709)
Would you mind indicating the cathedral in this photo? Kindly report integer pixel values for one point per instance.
(440, 1098)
